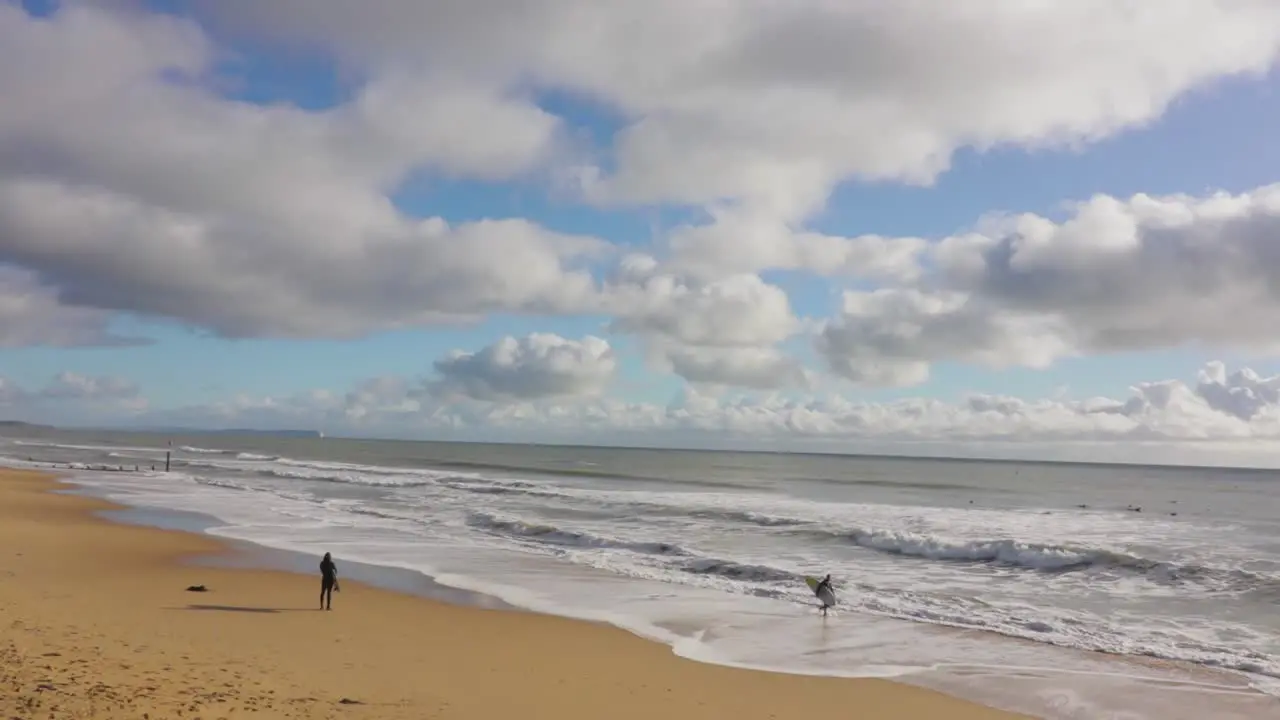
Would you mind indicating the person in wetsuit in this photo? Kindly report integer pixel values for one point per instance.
(328, 581)
(824, 583)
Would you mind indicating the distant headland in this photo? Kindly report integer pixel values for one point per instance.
(236, 431)
(19, 425)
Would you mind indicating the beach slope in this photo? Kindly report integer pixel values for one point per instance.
(97, 623)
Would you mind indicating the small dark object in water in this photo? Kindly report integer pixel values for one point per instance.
(197, 588)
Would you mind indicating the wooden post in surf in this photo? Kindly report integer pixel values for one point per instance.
(168, 454)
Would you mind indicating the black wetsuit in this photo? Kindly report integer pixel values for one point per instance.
(825, 583)
(328, 578)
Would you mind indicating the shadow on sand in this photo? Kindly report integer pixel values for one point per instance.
(243, 609)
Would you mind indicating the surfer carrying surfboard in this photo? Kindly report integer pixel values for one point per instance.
(822, 588)
(824, 583)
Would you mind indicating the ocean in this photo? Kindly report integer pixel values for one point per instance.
(1060, 590)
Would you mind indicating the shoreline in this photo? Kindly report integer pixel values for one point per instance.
(102, 626)
(243, 554)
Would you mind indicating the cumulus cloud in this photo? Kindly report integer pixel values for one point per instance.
(742, 241)
(745, 367)
(131, 185)
(774, 102)
(127, 184)
(1138, 273)
(1236, 406)
(111, 252)
(1218, 409)
(73, 386)
(889, 337)
(721, 331)
(756, 110)
(1242, 394)
(1130, 274)
(736, 311)
(380, 397)
(539, 365)
(31, 314)
(68, 396)
(11, 393)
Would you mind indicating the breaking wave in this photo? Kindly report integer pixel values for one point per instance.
(552, 535)
(1046, 558)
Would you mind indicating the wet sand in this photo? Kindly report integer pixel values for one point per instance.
(97, 623)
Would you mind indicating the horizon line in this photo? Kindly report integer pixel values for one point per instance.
(324, 436)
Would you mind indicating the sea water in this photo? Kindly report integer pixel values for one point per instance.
(1063, 591)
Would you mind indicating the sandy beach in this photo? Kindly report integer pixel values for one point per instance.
(98, 624)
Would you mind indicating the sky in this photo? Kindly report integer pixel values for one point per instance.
(745, 223)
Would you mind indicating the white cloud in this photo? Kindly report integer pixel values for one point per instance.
(472, 131)
(740, 241)
(74, 386)
(737, 311)
(539, 365)
(720, 331)
(11, 393)
(1164, 410)
(1242, 394)
(110, 252)
(31, 314)
(1140, 273)
(746, 367)
(130, 185)
(1223, 412)
(312, 410)
(74, 399)
(773, 103)
(889, 337)
(125, 190)
(379, 397)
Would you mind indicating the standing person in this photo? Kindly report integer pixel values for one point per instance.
(328, 582)
(825, 584)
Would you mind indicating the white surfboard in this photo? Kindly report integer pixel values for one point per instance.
(825, 595)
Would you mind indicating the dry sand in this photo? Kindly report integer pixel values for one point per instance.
(97, 624)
